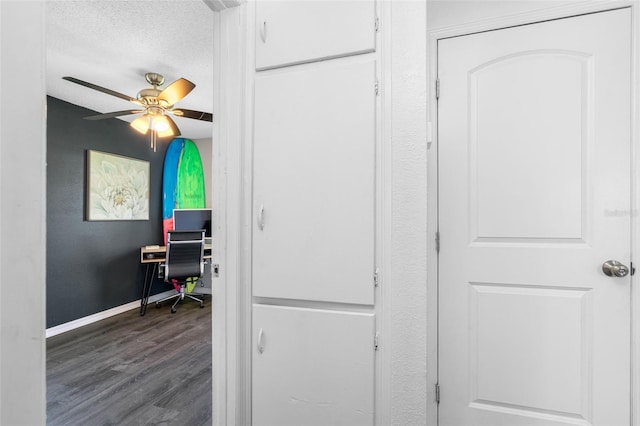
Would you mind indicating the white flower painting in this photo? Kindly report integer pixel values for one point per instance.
(117, 187)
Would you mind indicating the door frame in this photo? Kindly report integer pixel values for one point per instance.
(500, 22)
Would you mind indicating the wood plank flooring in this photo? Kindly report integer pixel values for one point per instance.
(133, 370)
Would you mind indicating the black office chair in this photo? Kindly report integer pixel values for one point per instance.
(184, 261)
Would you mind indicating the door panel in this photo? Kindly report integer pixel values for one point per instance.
(517, 196)
(557, 352)
(312, 367)
(314, 183)
(534, 195)
(289, 32)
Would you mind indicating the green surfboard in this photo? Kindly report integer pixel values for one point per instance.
(182, 183)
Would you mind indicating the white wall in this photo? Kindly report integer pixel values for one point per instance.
(445, 13)
(407, 118)
(22, 213)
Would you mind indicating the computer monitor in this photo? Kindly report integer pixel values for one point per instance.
(189, 219)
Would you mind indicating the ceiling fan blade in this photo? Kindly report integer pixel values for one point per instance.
(113, 114)
(189, 113)
(176, 91)
(101, 89)
(141, 124)
(171, 131)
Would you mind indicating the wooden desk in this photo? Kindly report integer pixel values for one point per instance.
(153, 257)
(157, 254)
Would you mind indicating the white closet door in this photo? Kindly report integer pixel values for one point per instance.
(534, 197)
(314, 182)
(289, 32)
(312, 367)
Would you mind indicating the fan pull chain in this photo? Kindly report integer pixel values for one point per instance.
(154, 139)
(153, 135)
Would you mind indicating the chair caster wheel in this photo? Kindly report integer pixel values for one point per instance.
(173, 310)
(157, 305)
(201, 305)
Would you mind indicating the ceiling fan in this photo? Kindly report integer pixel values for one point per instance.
(154, 104)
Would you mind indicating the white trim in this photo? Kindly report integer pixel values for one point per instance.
(232, 314)
(432, 228)
(635, 200)
(557, 12)
(245, 246)
(219, 233)
(384, 208)
(525, 18)
(81, 322)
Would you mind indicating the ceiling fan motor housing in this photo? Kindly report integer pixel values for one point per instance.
(149, 96)
(154, 79)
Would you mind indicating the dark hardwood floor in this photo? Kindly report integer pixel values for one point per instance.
(133, 370)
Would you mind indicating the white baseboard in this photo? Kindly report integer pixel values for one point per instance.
(72, 325)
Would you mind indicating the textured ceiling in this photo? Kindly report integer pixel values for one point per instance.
(113, 43)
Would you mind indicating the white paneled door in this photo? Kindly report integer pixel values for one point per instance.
(313, 367)
(314, 177)
(313, 258)
(534, 197)
(292, 31)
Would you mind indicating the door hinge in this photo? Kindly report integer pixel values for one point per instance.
(376, 24)
(438, 88)
(376, 278)
(216, 270)
(377, 87)
(375, 341)
(437, 241)
(437, 393)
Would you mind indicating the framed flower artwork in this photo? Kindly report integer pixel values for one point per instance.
(117, 187)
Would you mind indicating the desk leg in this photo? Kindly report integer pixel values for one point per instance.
(146, 289)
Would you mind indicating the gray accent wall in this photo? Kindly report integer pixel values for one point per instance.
(93, 266)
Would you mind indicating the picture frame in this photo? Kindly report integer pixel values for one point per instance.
(117, 187)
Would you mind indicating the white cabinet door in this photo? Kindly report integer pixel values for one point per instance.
(314, 182)
(289, 32)
(312, 367)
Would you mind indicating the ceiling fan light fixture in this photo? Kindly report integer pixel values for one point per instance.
(141, 124)
(160, 124)
(172, 129)
(164, 133)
